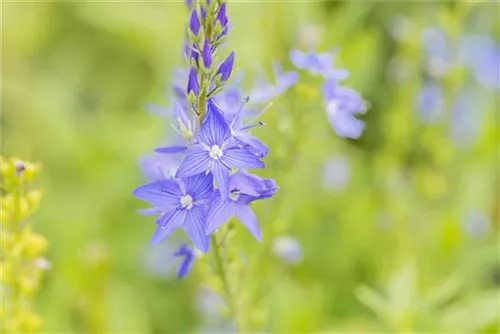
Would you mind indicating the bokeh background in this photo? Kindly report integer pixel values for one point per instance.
(398, 231)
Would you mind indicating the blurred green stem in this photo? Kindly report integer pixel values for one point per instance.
(222, 273)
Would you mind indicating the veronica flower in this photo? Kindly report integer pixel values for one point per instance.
(288, 249)
(336, 173)
(264, 91)
(217, 151)
(244, 189)
(318, 63)
(180, 203)
(482, 55)
(342, 104)
(189, 255)
(438, 51)
(430, 102)
(466, 116)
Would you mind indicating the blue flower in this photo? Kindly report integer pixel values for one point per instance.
(226, 67)
(318, 63)
(181, 203)
(189, 255)
(217, 151)
(438, 51)
(244, 189)
(430, 102)
(264, 91)
(482, 55)
(342, 104)
(288, 249)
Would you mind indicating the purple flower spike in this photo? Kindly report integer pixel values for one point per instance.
(193, 85)
(226, 67)
(244, 189)
(217, 151)
(181, 203)
(188, 253)
(194, 23)
(206, 54)
(342, 103)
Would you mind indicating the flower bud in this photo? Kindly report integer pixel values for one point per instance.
(194, 23)
(193, 85)
(226, 67)
(206, 54)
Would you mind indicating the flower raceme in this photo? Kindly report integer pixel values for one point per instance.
(215, 142)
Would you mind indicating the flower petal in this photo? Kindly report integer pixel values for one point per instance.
(240, 157)
(253, 144)
(221, 176)
(214, 130)
(196, 162)
(248, 218)
(167, 224)
(219, 213)
(200, 186)
(164, 194)
(195, 228)
(171, 149)
(150, 212)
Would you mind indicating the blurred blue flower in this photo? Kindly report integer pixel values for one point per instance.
(482, 55)
(430, 102)
(263, 91)
(476, 223)
(439, 58)
(342, 104)
(244, 189)
(181, 203)
(336, 173)
(288, 249)
(466, 117)
(217, 151)
(188, 254)
(318, 63)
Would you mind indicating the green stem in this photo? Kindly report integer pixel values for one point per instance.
(222, 273)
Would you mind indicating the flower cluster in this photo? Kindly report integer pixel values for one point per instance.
(342, 103)
(22, 250)
(200, 180)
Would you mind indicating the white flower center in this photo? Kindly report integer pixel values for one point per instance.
(233, 196)
(187, 202)
(332, 107)
(215, 152)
